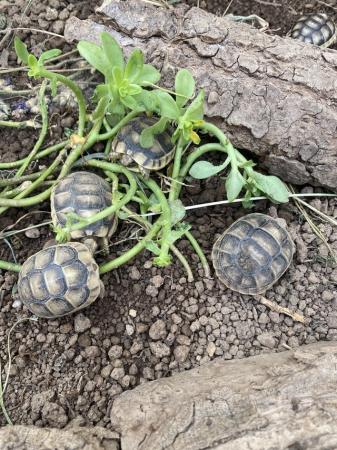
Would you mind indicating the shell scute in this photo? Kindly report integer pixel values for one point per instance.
(252, 254)
(70, 281)
(83, 194)
(127, 142)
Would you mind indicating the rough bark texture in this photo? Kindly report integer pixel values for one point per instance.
(274, 96)
(274, 401)
(34, 438)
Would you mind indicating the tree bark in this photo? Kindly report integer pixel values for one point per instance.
(20, 437)
(274, 96)
(273, 401)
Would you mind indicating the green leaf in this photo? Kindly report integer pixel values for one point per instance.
(234, 184)
(147, 135)
(147, 99)
(247, 202)
(95, 56)
(102, 90)
(100, 109)
(116, 109)
(53, 86)
(148, 74)
(196, 109)
(167, 105)
(131, 103)
(49, 54)
(153, 247)
(178, 232)
(134, 89)
(134, 65)
(118, 76)
(272, 186)
(185, 86)
(178, 211)
(204, 169)
(34, 66)
(21, 50)
(112, 51)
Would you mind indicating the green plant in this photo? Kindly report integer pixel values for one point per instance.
(130, 89)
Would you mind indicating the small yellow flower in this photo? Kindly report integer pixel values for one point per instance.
(194, 137)
(75, 140)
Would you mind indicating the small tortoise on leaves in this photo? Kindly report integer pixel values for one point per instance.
(84, 194)
(252, 254)
(59, 280)
(126, 147)
(316, 29)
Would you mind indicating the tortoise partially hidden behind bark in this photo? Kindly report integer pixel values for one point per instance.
(252, 254)
(84, 194)
(316, 29)
(59, 280)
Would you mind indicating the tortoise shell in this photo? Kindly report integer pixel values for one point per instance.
(127, 142)
(59, 280)
(315, 29)
(85, 194)
(252, 254)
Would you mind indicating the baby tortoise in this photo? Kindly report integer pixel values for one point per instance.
(252, 254)
(316, 29)
(59, 280)
(127, 148)
(84, 194)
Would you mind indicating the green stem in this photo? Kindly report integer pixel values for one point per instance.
(164, 258)
(193, 157)
(19, 125)
(111, 133)
(19, 201)
(109, 167)
(199, 252)
(19, 180)
(173, 195)
(184, 262)
(125, 257)
(76, 90)
(224, 141)
(47, 151)
(80, 148)
(9, 266)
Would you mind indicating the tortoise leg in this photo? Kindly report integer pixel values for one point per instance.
(91, 244)
(144, 172)
(104, 244)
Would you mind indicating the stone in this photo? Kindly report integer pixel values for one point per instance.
(267, 340)
(81, 323)
(159, 349)
(115, 352)
(181, 353)
(211, 347)
(158, 330)
(117, 373)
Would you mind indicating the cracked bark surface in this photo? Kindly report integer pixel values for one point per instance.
(34, 438)
(273, 401)
(274, 96)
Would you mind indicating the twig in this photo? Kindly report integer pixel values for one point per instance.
(320, 2)
(281, 309)
(31, 29)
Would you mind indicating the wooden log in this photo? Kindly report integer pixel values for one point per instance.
(274, 96)
(272, 401)
(19, 437)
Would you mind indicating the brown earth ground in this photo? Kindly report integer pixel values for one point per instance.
(152, 322)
